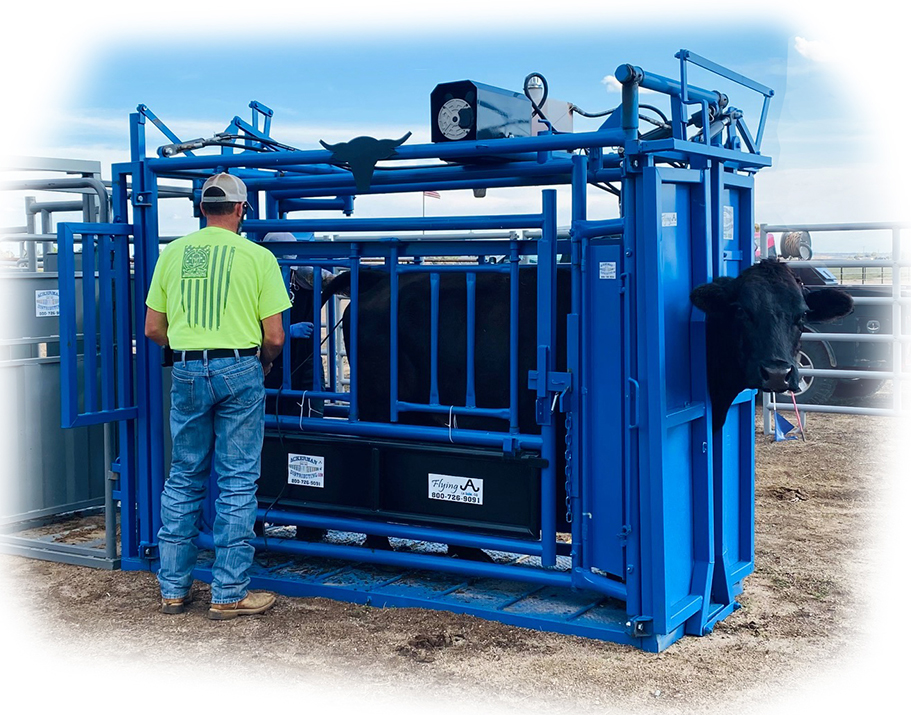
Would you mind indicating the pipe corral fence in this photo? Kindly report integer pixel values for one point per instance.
(608, 508)
(889, 333)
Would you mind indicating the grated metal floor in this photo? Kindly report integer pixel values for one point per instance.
(548, 608)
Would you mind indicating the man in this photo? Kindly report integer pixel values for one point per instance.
(216, 299)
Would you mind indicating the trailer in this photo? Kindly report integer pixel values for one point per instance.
(607, 509)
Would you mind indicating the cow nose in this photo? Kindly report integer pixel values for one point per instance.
(777, 377)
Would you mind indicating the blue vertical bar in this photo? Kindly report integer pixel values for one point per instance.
(106, 327)
(286, 326)
(514, 336)
(546, 332)
(317, 360)
(470, 290)
(333, 364)
(434, 338)
(129, 543)
(89, 327)
(353, 265)
(574, 451)
(702, 443)
(394, 335)
(630, 301)
(69, 394)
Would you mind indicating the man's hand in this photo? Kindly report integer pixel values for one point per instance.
(267, 368)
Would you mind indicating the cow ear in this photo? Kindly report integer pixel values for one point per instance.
(712, 297)
(828, 304)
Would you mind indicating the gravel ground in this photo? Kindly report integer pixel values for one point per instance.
(813, 633)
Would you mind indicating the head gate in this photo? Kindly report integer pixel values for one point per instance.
(529, 390)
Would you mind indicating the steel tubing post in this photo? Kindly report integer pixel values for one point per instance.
(394, 334)
(317, 359)
(514, 336)
(470, 289)
(434, 338)
(574, 354)
(546, 284)
(353, 353)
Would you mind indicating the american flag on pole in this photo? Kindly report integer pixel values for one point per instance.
(432, 194)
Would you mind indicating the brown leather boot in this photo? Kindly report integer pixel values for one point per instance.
(253, 603)
(174, 606)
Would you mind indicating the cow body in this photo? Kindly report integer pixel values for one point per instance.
(753, 328)
(492, 383)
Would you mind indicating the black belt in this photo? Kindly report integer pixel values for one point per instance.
(182, 355)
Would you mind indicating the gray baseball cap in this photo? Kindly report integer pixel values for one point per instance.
(231, 190)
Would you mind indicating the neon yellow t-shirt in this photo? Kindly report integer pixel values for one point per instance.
(215, 288)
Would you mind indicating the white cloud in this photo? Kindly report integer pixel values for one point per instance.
(611, 84)
(814, 50)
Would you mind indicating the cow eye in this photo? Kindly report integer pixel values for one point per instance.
(801, 318)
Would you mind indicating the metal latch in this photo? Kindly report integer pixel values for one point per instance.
(549, 395)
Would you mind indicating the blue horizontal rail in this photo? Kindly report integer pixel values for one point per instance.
(455, 150)
(441, 435)
(407, 560)
(502, 414)
(446, 223)
(399, 531)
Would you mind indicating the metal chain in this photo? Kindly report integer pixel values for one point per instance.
(568, 456)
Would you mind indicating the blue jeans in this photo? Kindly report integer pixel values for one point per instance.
(217, 422)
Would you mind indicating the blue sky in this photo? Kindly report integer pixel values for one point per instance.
(336, 77)
(72, 75)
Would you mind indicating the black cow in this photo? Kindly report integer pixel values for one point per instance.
(753, 328)
(492, 385)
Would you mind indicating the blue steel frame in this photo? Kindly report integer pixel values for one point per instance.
(660, 510)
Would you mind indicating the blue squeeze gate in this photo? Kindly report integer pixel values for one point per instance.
(659, 511)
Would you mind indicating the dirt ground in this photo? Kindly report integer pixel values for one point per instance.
(82, 634)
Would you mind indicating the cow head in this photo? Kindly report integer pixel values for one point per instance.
(753, 328)
(361, 155)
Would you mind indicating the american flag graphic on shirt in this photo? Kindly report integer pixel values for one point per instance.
(205, 283)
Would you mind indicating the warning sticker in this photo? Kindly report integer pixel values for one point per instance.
(669, 219)
(306, 471)
(47, 303)
(607, 270)
(464, 490)
(728, 223)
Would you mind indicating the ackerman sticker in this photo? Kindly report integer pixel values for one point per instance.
(464, 490)
(47, 303)
(305, 470)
